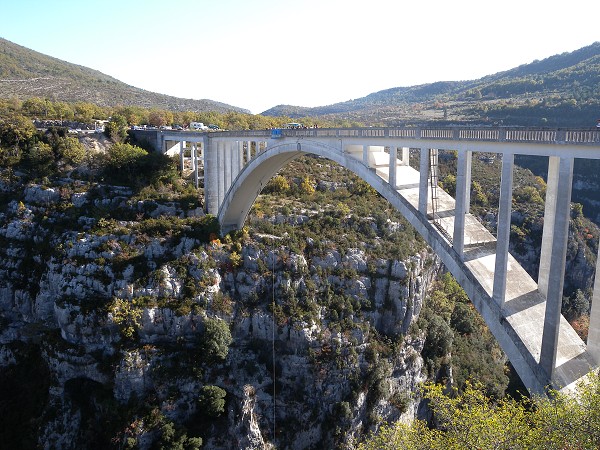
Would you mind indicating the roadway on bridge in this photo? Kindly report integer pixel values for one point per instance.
(524, 306)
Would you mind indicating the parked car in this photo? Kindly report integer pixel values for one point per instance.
(198, 126)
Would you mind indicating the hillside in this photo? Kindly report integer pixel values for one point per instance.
(562, 90)
(25, 73)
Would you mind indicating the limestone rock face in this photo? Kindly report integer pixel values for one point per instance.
(248, 427)
(122, 319)
(132, 376)
(41, 195)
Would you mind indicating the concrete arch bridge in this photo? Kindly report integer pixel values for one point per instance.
(524, 316)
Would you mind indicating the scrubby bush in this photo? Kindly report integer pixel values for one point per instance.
(216, 339)
(438, 338)
(472, 420)
(212, 400)
(277, 185)
(173, 439)
(116, 128)
(122, 160)
(16, 132)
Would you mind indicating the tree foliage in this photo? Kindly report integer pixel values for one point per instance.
(471, 420)
(216, 339)
(123, 161)
(277, 185)
(212, 400)
(116, 128)
(15, 130)
(40, 159)
(457, 337)
(174, 439)
(70, 151)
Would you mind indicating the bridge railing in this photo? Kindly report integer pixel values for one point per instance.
(583, 136)
(480, 134)
(494, 134)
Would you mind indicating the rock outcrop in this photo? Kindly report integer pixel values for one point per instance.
(122, 321)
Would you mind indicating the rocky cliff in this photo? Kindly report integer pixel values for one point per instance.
(147, 330)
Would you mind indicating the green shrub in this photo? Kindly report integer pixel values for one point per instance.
(277, 185)
(212, 400)
(463, 318)
(174, 439)
(216, 339)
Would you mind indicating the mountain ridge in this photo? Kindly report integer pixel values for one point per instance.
(565, 78)
(27, 73)
(561, 90)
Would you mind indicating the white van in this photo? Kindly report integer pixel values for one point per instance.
(198, 126)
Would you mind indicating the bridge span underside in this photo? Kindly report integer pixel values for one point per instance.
(523, 315)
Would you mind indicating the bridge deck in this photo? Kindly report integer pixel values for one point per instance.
(524, 306)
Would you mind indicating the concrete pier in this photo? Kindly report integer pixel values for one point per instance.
(503, 229)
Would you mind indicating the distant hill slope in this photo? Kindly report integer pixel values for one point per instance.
(26, 73)
(560, 90)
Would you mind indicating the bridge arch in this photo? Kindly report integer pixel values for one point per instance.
(257, 173)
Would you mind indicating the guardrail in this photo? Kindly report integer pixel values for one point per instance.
(492, 134)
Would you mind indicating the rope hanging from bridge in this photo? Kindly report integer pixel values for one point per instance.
(274, 324)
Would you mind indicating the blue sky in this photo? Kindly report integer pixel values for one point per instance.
(256, 54)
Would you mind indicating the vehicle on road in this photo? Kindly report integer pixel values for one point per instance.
(198, 126)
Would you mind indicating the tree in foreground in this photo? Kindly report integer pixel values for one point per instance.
(470, 420)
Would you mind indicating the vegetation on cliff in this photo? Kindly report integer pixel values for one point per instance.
(471, 420)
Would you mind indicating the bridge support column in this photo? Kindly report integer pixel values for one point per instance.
(393, 163)
(365, 155)
(405, 155)
(553, 255)
(593, 341)
(423, 181)
(211, 178)
(199, 150)
(248, 151)
(235, 164)
(240, 157)
(503, 229)
(221, 170)
(227, 165)
(461, 205)
(235, 160)
(193, 156)
(181, 156)
(161, 144)
(195, 164)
